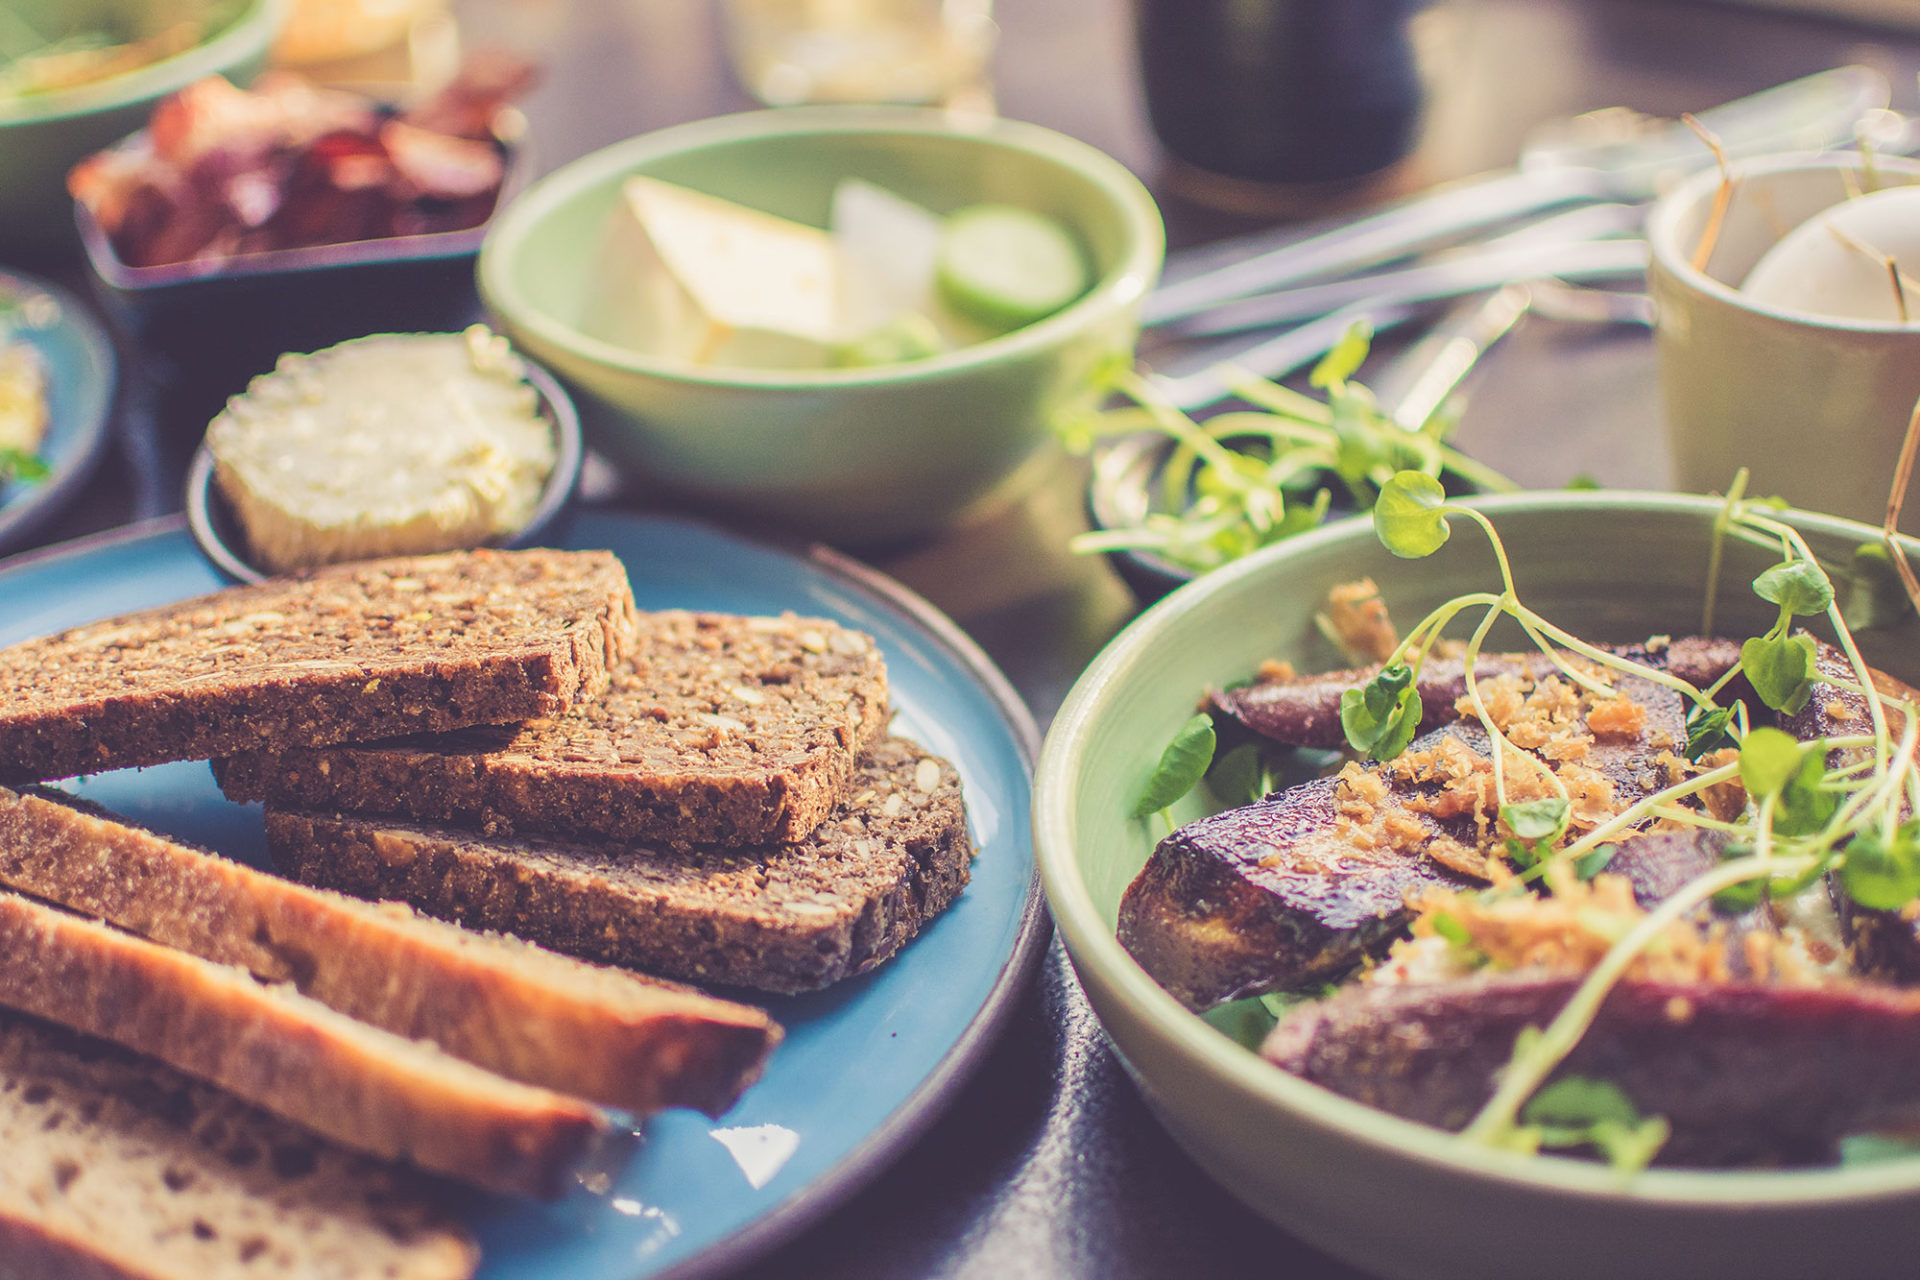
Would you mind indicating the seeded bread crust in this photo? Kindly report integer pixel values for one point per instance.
(363, 1087)
(738, 731)
(782, 918)
(119, 1167)
(377, 649)
(527, 1013)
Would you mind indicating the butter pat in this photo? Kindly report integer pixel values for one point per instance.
(696, 278)
(397, 444)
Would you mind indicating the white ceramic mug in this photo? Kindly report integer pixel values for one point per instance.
(1814, 407)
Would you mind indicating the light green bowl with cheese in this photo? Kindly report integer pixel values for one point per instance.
(855, 456)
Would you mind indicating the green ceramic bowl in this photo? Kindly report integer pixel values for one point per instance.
(853, 455)
(44, 135)
(1388, 1195)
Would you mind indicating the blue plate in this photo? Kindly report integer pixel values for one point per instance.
(866, 1065)
(79, 362)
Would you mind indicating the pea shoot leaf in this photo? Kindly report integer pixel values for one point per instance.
(1536, 819)
(1882, 875)
(1804, 804)
(1535, 825)
(1780, 668)
(1448, 926)
(1875, 595)
(1738, 899)
(1239, 776)
(1876, 1148)
(1742, 897)
(1707, 729)
(1572, 1101)
(1594, 861)
(1769, 757)
(1181, 765)
(1797, 586)
(1580, 1111)
(1408, 518)
(1381, 716)
(1346, 357)
(1361, 448)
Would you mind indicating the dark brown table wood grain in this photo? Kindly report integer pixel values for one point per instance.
(1049, 1163)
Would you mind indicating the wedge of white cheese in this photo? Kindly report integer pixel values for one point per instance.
(397, 444)
(691, 277)
(889, 267)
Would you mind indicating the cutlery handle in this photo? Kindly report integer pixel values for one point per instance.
(1417, 382)
(1465, 272)
(1421, 223)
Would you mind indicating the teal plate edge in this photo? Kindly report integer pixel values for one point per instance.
(697, 1198)
(81, 370)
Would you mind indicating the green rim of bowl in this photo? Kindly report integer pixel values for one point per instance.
(1093, 944)
(1125, 284)
(1663, 232)
(245, 39)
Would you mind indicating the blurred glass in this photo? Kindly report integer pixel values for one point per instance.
(1281, 91)
(906, 51)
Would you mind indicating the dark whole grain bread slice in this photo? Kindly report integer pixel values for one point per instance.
(527, 1013)
(375, 649)
(358, 1085)
(738, 731)
(783, 918)
(117, 1166)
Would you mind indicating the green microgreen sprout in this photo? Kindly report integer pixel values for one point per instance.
(1246, 478)
(1381, 717)
(1838, 804)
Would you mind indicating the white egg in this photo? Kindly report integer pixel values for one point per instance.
(1834, 264)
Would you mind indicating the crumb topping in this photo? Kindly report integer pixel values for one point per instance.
(1438, 798)
(1359, 618)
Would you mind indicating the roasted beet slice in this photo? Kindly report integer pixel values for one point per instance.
(1305, 711)
(1885, 943)
(1659, 864)
(1267, 896)
(1746, 1074)
(1284, 892)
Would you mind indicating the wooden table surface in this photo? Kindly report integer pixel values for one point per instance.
(1048, 1163)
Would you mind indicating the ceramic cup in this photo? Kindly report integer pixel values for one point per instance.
(1814, 407)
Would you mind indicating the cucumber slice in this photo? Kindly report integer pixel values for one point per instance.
(1004, 266)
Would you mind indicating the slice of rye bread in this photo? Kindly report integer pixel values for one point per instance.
(739, 731)
(363, 1087)
(605, 1034)
(366, 650)
(117, 1166)
(783, 918)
